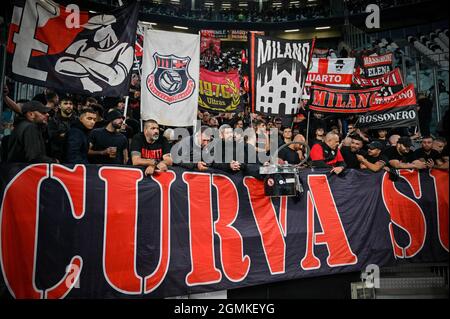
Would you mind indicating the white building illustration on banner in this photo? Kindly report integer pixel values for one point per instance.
(280, 95)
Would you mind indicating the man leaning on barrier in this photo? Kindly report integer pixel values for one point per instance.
(150, 149)
(188, 152)
(327, 154)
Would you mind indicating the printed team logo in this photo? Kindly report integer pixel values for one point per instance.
(170, 81)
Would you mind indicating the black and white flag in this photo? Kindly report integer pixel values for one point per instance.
(278, 70)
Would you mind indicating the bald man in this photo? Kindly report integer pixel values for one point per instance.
(328, 155)
(294, 153)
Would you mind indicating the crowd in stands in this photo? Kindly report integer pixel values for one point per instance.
(59, 128)
(70, 131)
(240, 14)
(295, 12)
(359, 6)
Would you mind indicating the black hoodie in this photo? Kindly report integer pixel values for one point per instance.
(77, 144)
(26, 144)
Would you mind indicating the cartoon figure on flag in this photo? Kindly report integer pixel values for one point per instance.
(93, 55)
(109, 62)
(170, 81)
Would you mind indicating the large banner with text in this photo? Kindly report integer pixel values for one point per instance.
(109, 232)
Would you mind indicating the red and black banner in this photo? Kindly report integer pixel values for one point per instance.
(209, 48)
(392, 110)
(109, 232)
(377, 65)
(392, 79)
(138, 51)
(71, 50)
(219, 92)
(329, 99)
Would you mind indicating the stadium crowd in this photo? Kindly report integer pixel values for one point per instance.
(63, 129)
(295, 12)
(59, 128)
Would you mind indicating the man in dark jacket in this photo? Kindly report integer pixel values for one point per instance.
(58, 127)
(77, 145)
(26, 144)
(328, 155)
(351, 152)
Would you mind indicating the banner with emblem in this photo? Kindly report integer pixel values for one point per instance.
(334, 72)
(78, 52)
(170, 77)
(219, 92)
(278, 70)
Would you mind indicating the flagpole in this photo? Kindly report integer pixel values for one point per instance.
(307, 128)
(125, 110)
(303, 87)
(3, 82)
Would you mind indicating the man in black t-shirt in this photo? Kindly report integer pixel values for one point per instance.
(427, 154)
(107, 145)
(294, 153)
(150, 149)
(350, 152)
(401, 156)
(375, 161)
(382, 137)
(440, 145)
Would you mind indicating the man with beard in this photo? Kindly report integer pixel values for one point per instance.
(150, 149)
(107, 145)
(294, 153)
(77, 145)
(400, 156)
(428, 155)
(440, 145)
(224, 149)
(26, 144)
(350, 152)
(59, 125)
(375, 161)
(189, 152)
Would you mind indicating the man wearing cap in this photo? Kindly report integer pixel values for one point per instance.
(401, 156)
(77, 145)
(107, 145)
(375, 161)
(26, 144)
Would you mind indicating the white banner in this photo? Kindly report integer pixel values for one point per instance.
(170, 77)
(334, 72)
